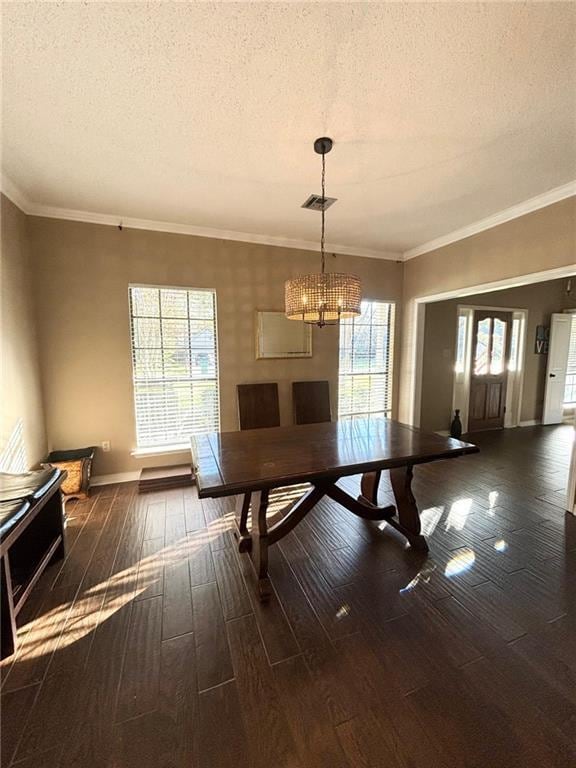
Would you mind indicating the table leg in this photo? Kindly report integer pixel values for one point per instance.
(8, 639)
(241, 517)
(369, 488)
(260, 542)
(408, 517)
(361, 506)
(56, 514)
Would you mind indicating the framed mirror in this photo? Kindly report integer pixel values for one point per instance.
(278, 337)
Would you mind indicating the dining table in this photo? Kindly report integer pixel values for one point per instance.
(252, 464)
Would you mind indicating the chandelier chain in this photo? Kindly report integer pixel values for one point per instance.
(323, 212)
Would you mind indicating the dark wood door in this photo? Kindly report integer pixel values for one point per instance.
(489, 369)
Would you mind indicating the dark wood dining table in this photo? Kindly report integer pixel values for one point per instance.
(252, 463)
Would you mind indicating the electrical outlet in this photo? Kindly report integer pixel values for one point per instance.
(106, 446)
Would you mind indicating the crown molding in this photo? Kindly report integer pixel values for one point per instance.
(88, 217)
(508, 214)
(15, 194)
(210, 232)
(556, 273)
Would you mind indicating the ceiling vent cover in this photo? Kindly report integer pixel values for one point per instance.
(318, 203)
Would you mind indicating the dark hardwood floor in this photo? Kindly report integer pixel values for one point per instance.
(147, 647)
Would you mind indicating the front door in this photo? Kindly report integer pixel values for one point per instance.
(489, 374)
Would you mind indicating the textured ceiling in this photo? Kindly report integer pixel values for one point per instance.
(204, 114)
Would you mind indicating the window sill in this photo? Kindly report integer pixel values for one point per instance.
(162, 450)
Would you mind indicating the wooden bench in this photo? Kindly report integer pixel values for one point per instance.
(31, 537)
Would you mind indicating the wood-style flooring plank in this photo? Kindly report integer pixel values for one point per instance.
(177, 615)
(90, 736)
(175, 529)
(233, 595)
(174, 502)
(169, 734)
(368, 741)
(155, 519)
(323, 599)
(151, 569)
(218, 524)
(223, 741)
(277, 635)
(541, 742)
(78, 556)
(382, 699)
(550, 653)
(138, 692)
(467, 729)
(212, 651)
(47, 759)
(331, 677)
(15, 707)
(194, 514)
(53, 714)
(308, 719)
(271, 741)
(41, 639)
(200, 559)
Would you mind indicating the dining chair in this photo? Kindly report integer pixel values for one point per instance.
(258, 405)
(311, 401)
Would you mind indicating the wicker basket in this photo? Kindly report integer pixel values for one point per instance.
(78, 465)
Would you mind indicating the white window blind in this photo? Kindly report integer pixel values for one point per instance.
(175, 364)
(365, 370)
(570, 392)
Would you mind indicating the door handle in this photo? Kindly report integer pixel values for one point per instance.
(552, 375)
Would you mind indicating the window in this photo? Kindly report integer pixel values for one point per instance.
(490, 347)
(461, 338)
(570, 391)
(175, 364)
(365, 372)
(514, 362)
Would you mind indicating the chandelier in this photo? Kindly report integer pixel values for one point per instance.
(322, 298)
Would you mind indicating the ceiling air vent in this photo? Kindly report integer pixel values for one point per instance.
(318, 203)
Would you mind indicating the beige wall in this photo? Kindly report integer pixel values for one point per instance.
(539, 241)
(82, 272)
(22, 432)
(540, 299)
(81, 275)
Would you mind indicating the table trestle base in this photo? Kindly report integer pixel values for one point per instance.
(256, 542)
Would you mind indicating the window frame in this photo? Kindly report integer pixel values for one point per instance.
(159, 448)
(389, 373)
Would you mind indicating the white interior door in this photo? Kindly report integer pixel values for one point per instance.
(559, 345)
(571, 493)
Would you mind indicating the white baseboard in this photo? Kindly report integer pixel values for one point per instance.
(120, 477)
(530, 423)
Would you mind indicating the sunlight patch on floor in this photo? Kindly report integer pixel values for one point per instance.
(94, 606)
(459, 511)
(422, 577)
(461, 562)
(429, 519)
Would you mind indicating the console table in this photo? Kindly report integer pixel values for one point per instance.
(31, 537)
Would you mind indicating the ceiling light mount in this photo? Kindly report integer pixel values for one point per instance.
(323, 145)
